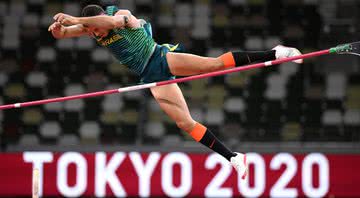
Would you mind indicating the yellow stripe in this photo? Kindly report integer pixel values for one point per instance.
(171, 49)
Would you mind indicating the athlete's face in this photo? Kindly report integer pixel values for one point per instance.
(98, 32)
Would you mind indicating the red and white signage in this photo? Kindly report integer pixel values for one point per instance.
(178, 174)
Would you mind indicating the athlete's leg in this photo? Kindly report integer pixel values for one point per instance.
(171, 100)
(183, 64)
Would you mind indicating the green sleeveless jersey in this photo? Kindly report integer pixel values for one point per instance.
(132, 47)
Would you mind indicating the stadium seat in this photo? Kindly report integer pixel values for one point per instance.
(89, 133)
(171, 141)
(234, 105)
(333, 123)
(50, 131)
(291, 132)
(353, 97)
(3, 79)
(335, 86)
(32, 116)
(29, 140)
(53, 111)
(154, 130)
(46, 54)
(254, 43)
(110, 117)
(68, 140)
(214, 117)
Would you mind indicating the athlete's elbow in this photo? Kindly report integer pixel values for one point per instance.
(121, 21)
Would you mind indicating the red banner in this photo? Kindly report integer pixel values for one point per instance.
(176, 174)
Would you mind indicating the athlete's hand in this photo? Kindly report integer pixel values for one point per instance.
(65, 19)
(57, 30)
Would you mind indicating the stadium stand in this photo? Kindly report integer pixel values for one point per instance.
(317, 101)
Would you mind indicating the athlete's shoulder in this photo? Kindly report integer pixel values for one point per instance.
(123, 12)
(112, 10)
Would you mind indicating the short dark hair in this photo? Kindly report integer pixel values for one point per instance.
(92, 10)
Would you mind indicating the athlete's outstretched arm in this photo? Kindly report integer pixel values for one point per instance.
(101, 21)
(59, 31)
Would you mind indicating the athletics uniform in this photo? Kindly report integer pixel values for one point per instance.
(136, 49)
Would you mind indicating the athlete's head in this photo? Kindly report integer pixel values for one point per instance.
(94, 10)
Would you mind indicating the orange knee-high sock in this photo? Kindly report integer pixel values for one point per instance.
(232, 59)
(229, 60)
(203, 135)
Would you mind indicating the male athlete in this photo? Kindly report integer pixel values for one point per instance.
(130, 41)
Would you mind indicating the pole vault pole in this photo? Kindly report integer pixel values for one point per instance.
(352, 48)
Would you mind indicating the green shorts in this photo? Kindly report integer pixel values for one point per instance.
(157, 68)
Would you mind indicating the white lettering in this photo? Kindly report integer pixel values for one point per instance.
(185, 176)
(214, 188)
(307, 175)
(144, 170)
(279, 189)
(106, 173)
(81, 174)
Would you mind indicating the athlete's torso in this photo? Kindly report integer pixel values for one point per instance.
(132, 47)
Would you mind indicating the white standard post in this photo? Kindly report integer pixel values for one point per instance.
(35, 183)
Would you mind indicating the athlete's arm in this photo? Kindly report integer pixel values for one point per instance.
(59, 31)
(105, 22)
(121, 19)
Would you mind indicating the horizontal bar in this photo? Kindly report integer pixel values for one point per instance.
(179, 80)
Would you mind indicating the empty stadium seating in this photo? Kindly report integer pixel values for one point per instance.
(311, 102)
